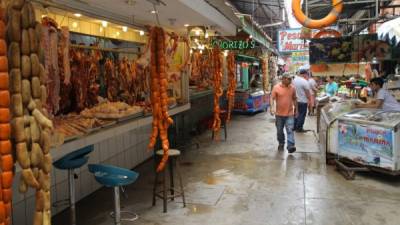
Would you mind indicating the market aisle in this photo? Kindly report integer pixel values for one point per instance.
(246, 181)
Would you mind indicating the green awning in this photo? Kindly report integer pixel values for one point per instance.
(253, 31)
(245, 58)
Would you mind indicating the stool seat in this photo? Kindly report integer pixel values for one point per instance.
(74, 159)
(112, 176)
(171, 152)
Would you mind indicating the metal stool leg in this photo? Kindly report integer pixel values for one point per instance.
(178, 171)
(225, 131)
(171, 177)
(165, 190)
(117, 207)
(72, 196)
(155, 189)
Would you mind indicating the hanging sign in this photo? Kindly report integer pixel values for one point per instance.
(234, 45)
(290, 41)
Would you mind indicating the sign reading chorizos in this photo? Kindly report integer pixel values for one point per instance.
(234, 45)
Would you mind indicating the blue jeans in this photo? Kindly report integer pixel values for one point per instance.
(301, 117)
(288, 123)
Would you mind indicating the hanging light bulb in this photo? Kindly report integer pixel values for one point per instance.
(191, 51)
(104, 23)
(141, 33)
(251, 36)
(197, 32)
(124, 28)
(226, 53)
(206, 36)
(201, 51)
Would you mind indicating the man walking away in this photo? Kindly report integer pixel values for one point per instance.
(303, 96)
(283, 106)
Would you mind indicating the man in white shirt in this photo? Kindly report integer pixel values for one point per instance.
(384, 100)
(303, 95)
(313, 92)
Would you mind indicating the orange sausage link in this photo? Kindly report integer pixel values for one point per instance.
(4, 81)
(7, 163)
(4, 115)
(4, 98)
(5, 131)
(6, 179)
(5, 147)
(7, 195)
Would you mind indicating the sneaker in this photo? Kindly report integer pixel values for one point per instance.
(281, 147)
(291, 149)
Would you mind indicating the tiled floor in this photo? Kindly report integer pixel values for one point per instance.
(245, 180)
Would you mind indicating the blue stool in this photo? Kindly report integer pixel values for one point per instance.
(111, 176)
(71, 162)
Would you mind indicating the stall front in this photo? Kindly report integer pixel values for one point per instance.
(93, 82)
(370, 138)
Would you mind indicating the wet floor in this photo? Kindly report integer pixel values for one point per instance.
(245, 180)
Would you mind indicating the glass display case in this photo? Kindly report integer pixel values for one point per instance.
(370, 137)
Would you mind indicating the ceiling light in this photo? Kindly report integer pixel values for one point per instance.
(206, 36)
(124, 28)
(153, 11)
(43, 16)
(191, 51)
(201, 51)
(74, 24)
(226, 53)
(251, 36)
(141, 33)
(78, 15)
(197, 32)
(196, 40)
(104, 23)
(186, 25)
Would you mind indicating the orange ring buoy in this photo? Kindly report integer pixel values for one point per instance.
(324, 22)
(331, 32)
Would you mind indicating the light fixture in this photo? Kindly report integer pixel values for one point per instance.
(141, 33)
(226, 53)
(197, 32)
(124, 28)
(186, 25)
(153, 11)
(206, 36)
(196, 40)
(104, 23)
(78, 15)
(201, 51)
(374, 60)
(251, 36)
(191, 51)
(74, 24)
(43, 16)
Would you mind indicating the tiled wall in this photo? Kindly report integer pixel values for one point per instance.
(127, 151)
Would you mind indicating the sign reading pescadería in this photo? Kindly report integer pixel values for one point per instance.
(232, 45)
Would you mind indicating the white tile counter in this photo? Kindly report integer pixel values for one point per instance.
(123, 144)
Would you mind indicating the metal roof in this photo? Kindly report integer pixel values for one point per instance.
(267, 13)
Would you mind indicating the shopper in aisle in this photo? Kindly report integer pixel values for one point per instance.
(284, 107)
(384, 100)
(303, 97)
(313, 92)
(331, 88)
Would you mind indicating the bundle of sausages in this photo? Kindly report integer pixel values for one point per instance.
(231, 83)
(217, 73)
(7, 162)
(159, 97)
(264, 67)
(30, 128)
